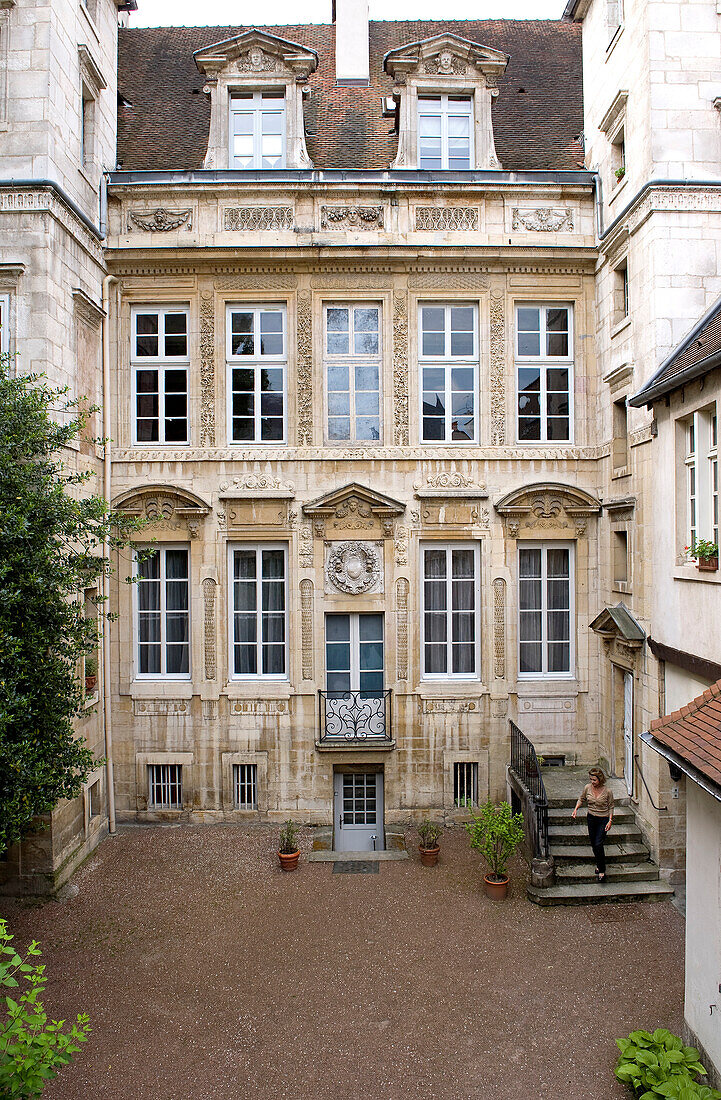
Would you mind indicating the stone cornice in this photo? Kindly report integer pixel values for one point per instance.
(412, 455)
(45, 199)
(660, 197)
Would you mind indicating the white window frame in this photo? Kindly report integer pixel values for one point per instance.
(352, 359)
(161, 548)
(450, 102)
(714, 476)
(544, 362)
(255, 362)
(448, 362)
(237, 770)
(257, 112)
(449, 546)
(354, 644)
(701, 471)
(545, 547)
(4, 324)
(166, 780)
(252, 677)
(161, 364)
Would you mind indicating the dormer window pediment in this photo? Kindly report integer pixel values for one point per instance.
(260, 66)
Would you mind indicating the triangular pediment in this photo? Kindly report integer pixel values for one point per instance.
(445, 55)
(618, 622)
(258, 52)
(353, 495)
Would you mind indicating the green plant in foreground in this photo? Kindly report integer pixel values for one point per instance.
(702, 550)
(659, 1065)
(429, 832)
(496, 832)
(288, 842)
(32, 1048)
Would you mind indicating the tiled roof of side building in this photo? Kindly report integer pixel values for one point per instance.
(698, 353)
(694, 733)
(537, 117)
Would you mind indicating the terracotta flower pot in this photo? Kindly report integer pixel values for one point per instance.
(90, 683)
(289, 860)
(494, 889)
(429, 856)
(707, 565)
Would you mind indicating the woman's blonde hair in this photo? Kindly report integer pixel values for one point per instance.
(600, 773)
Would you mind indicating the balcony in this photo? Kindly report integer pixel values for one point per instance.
(355, 719)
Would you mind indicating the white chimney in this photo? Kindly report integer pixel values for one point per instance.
(351, 42)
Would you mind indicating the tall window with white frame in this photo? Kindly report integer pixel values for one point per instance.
(700, 432)
(448, 357)
(545, 610)
(445, 133)
(257, 129)
(258, 600)
(713, 477)
(451, 605)
(544, 368)
(162, 613)
(352, 371)
(257, 360)
(4, 324)
(159, 360)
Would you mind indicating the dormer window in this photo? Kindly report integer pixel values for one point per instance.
(445, 139)
(257, 129)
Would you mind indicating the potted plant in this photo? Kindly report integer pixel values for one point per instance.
(705, 554)
(429, 832)
(496, 832)
(620, 173)
(91, 674)
(288, 850)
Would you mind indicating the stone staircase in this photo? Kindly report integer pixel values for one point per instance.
(631, 874)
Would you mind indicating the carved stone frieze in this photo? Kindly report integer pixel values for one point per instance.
(353, 514)
(156, 707)
(499, 708)
(402, 590)
(354, 567)
(239, 219)
(400, 369)
(447, 480)
(306, 627)
(448, 706)
(446, 218)
(448, 280)
(161, 220)
(260, 706)
(305, 549)
(499, 628)
(351, 281)
(274, 281)
(547, 506)
(401, 545)
(209, 587)
(257, 483)
(543, 220)
(351, 217)
(305, 369)
(207, 369)
(498, 370)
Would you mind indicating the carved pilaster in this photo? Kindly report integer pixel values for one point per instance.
(209, 626)
(306, 616)
(400, 368)
(207, 370)
(305, 369)
(499, 628)
(402, 587)
(498, 371)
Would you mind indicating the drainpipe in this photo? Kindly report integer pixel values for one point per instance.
(599, 203)
(107, 702)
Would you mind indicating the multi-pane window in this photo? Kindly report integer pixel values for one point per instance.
(544, 366)
(245, 786)
(257, 129)
(165, 786)
(352, 370)
(445, 126)
(450, 610)
(258, 602)
(256, 351)
(449, 366)
(713, 461)
(465, 784)
(545, 607)
(163, 612)
(702, 477)
(159, 358)
(691, 474)
(4, 324)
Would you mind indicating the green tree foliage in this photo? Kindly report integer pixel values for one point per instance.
(32, 1048)
(658, 1065)
(496, 832)
(52, 537)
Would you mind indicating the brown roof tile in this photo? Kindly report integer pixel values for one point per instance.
(537, 117)
(694, 732)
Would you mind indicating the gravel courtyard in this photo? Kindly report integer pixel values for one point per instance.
(210, 974)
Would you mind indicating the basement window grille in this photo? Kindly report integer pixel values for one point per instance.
(166, 786)
(465, 784)
(245, 786)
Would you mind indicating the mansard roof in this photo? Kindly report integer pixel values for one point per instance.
(698, 353)
(537, 117)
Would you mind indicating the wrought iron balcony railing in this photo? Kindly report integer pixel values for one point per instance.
(526, 768)
(355, 717)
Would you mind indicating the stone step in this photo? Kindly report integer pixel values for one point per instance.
(615, 853)
(561, 815)
(599, 893)
(578, 834)
(568, 873)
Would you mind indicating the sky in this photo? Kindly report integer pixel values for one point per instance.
(159, 13)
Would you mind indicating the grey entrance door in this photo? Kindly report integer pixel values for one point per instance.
(358, 817)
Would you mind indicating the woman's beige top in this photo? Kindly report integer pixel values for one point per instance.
(600, 804)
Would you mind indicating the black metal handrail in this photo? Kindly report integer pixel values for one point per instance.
(534, 800)
(355, 715)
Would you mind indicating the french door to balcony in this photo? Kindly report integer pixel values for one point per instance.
(355, 707)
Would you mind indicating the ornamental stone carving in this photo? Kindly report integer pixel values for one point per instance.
(305, 551)
(306, 616)
(400, 369)
(161, 220)
(498, 371)
(209, 626)
(543, 220)
(260, 706)
(448, 279)
(401, 545)
(448, 706)
(448, 218)
(257, 218)
(402, 590)
(164, 707)
(257, 483)
(354, 567)
(255, 61)
(351, 217)
(499, 628)
(305, 370)
(445, 64)
(547, 506)
(207, 370)
(354, 514)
